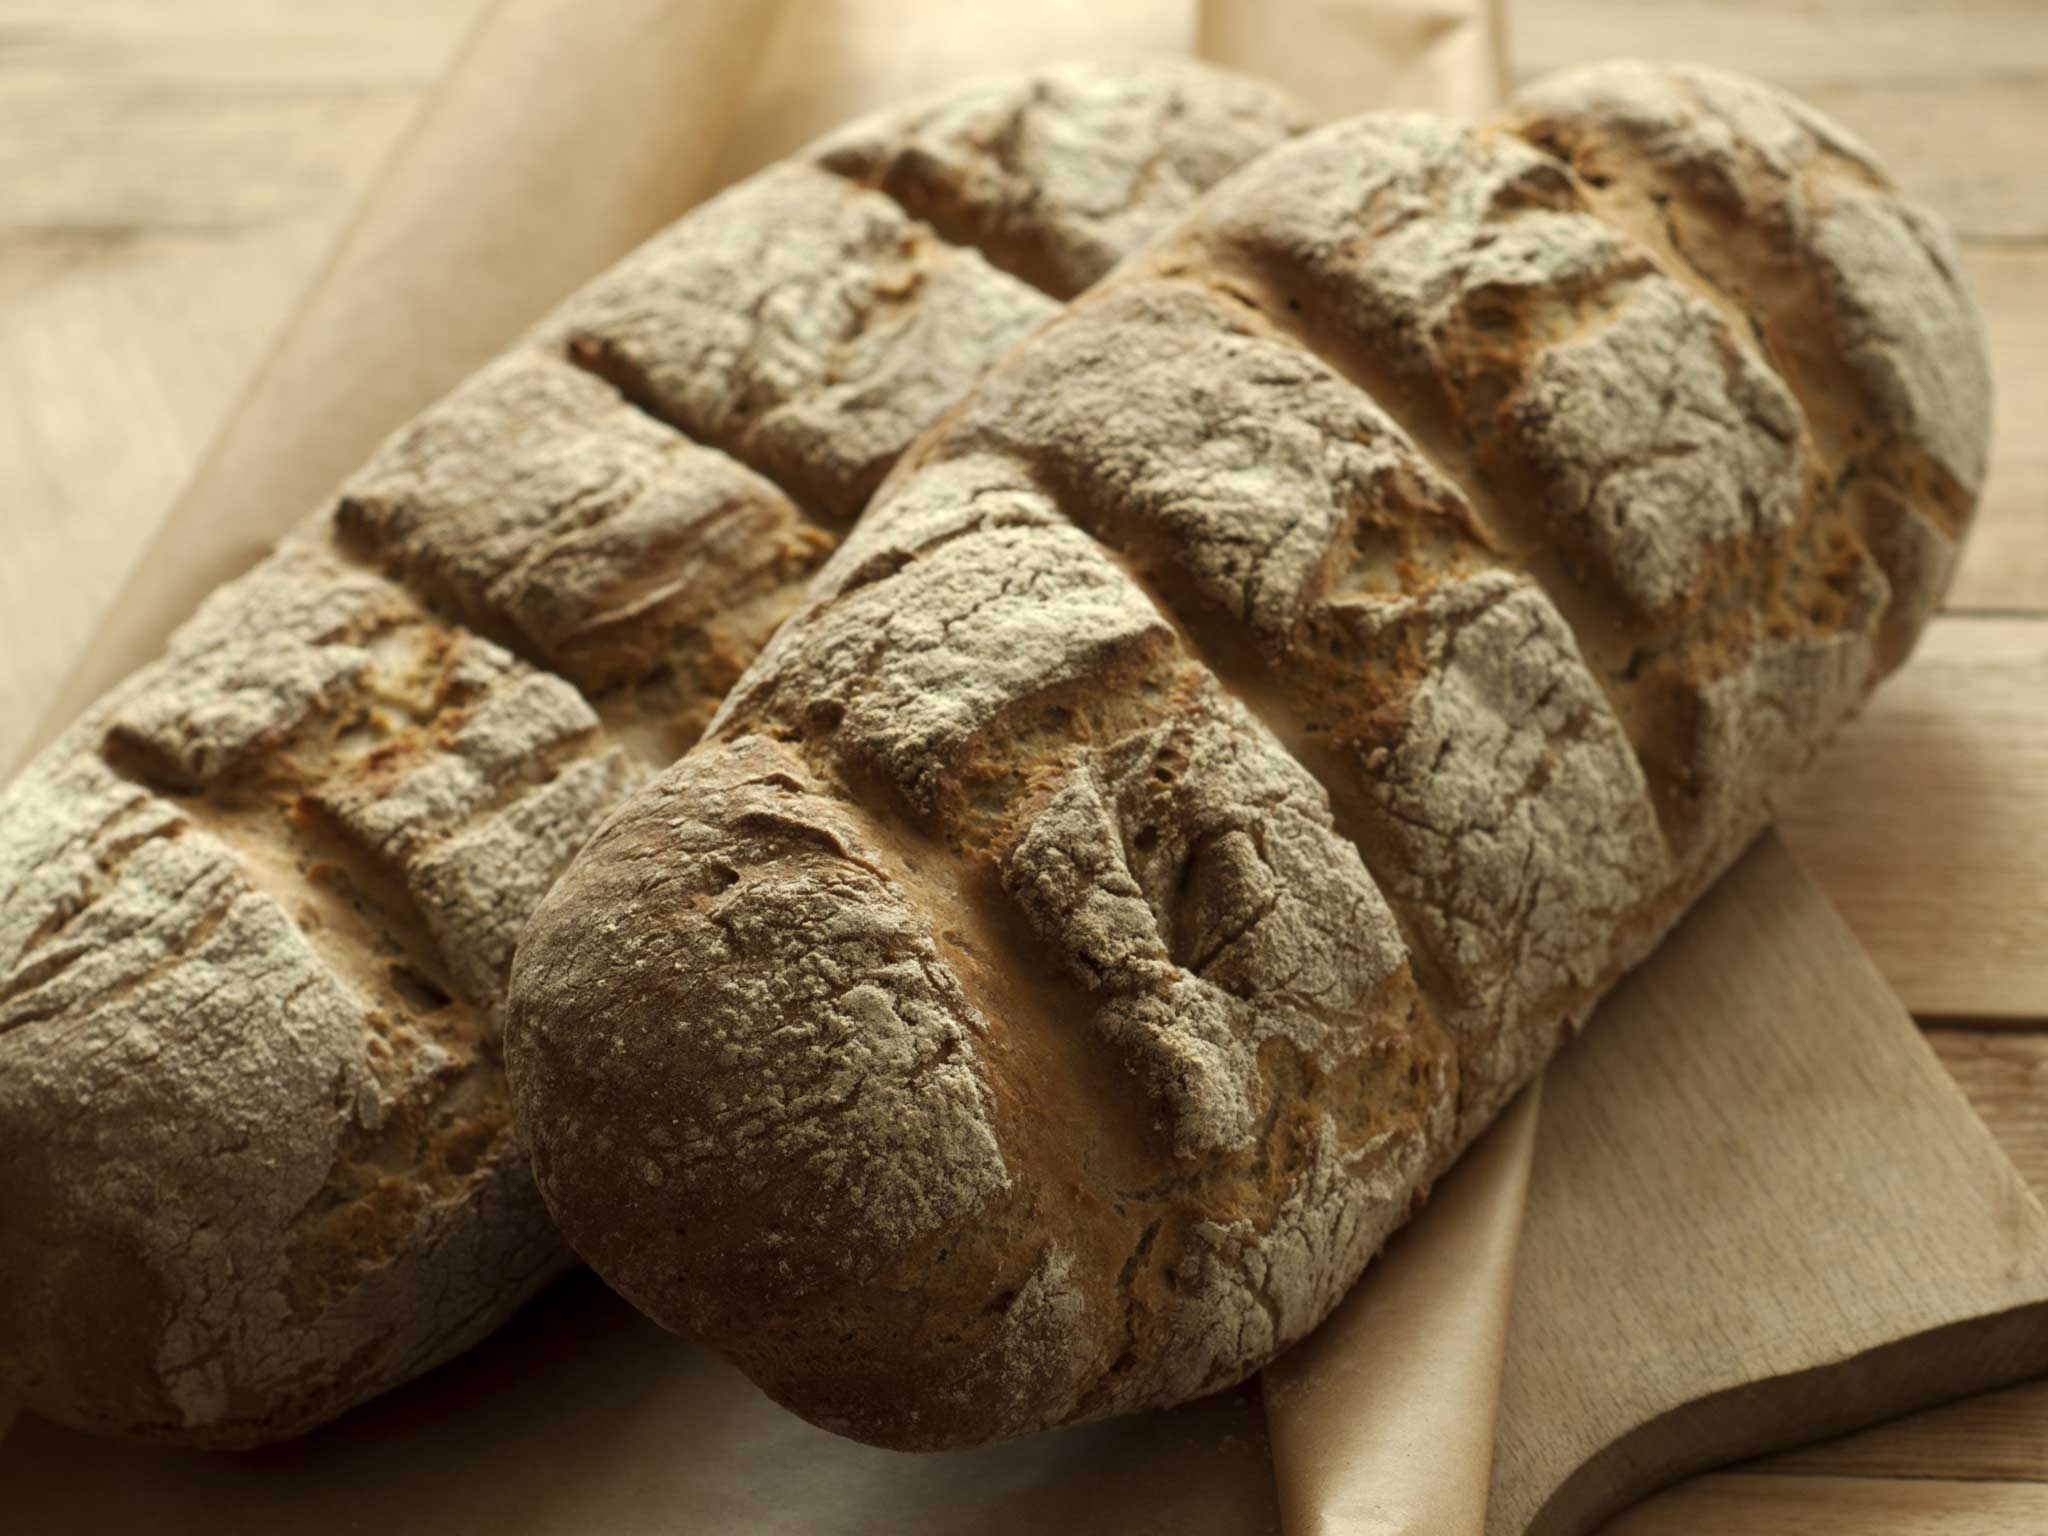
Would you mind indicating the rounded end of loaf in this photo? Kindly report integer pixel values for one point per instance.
(214, 1333)
(794, 1088)
(758, 1103)
(203, 1242)
(342, 1207)
(1856, 292)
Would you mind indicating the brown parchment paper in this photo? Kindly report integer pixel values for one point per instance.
(1761, 1212)
(1343, 57)
(1382, 1422)
(564, 134)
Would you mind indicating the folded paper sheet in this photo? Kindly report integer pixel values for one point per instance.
(1383, 1423)
(1761, 1213)
(567, 133)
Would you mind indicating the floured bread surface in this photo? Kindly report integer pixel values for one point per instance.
(1857, 292)
(1337, 578)
(228, 1015)
(258, 908)
(1245, 737)
(1058, 176)
(601, 542)
(808, 324)
(954, 1011)
(1620, 433)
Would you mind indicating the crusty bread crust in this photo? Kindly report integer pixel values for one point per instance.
(1786, 222)
(258, 907)
(1239, 744)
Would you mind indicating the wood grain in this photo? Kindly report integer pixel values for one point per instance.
(2000, 1436)
(2005, 1077)
(1812, 43)
(1760, 1211)
(1926, 822)
(2005, 564)
(129, 317)
(1968, 151)
(1747, 1504)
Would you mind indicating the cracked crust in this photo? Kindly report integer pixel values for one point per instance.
(1057, 177)
(1159, 906)
(1856, 291)
(1333, 575)
(806, 325)
(548, 512)
(293, 1132)
(1523, 327)
(1619, 431)
(1273, 707)
(259, 905)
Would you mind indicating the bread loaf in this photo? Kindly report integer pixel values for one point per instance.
(1240, 743)
(255, 1156)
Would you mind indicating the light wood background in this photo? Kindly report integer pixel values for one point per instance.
(173, 171)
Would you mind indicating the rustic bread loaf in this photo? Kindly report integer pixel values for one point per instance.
(260, 903)
(1240, 743)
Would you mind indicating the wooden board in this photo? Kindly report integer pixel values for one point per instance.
(1998, 1436)
(2005, 565)
(1815, 42)
(1926, 822)
(1966, 151)
(1760, 1212)
(1736, 1504)
(2004, 1074)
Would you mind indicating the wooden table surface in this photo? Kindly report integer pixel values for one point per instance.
(172, 171)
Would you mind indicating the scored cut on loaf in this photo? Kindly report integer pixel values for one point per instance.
(1241, 742)
(260, 903)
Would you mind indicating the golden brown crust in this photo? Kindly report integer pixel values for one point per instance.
(1057, 176)
(1270, 709)
(257, 909)
(246, 1124)
(1855, 291)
